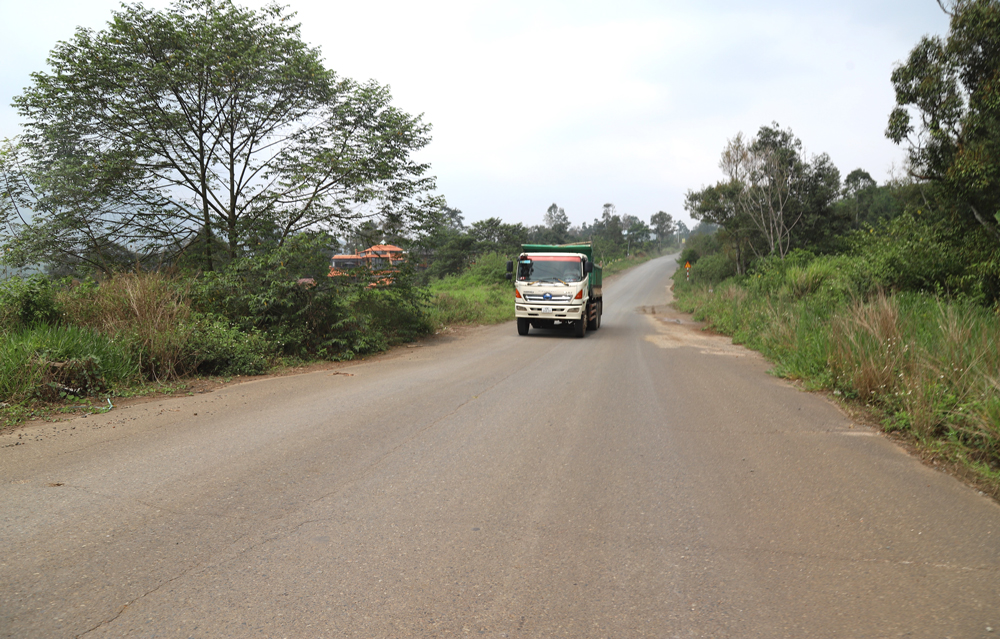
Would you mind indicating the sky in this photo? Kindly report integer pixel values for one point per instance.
(535, 102)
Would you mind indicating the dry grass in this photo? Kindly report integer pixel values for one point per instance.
(937, 364)
(868, 354)
(149, 308)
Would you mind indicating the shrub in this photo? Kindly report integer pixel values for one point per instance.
(713, 269)
(26, 302)
(218, 348)
(699, 246)
(332, 317)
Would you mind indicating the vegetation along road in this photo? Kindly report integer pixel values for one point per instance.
(648, 480)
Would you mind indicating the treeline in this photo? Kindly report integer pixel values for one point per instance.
(914, 234)
(886, 294)
(450, 246)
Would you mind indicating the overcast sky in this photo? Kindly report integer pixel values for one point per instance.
(582, 103)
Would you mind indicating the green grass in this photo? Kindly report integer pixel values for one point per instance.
(451, 304)
(56, 362)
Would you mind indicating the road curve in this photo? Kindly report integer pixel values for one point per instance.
(648, 480)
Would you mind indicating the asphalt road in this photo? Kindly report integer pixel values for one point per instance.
(648, 480)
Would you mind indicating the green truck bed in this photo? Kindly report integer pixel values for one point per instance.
(582, 247)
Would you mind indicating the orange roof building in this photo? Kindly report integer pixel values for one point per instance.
(378, 256)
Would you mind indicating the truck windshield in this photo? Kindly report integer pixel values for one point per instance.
(550, 269)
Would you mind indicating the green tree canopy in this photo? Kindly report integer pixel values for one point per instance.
(952, 86)
(207, 119)
(663, 225)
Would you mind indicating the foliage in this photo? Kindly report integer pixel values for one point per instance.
(698, 246)
(493, 235)
(203, 121)
(221, 349)
(286, 295)
(148, 310)
(663, 225)
(453, 254)
(26, 302)
(953, 86)
(712, 269)
(57, 362)
(454, 301)
(480, 295)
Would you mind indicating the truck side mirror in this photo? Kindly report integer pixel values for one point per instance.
(588, 267)
(508, 275)
(510, 266)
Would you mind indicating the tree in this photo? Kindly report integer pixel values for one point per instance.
(214, 120)
(682, 230)
(859, 190)
(75, 235)
(764, 170)
(493, 235)
(719, 205)
(663, 225)
(815, 190)
(787, 200)
(556, 220)
(953, 86)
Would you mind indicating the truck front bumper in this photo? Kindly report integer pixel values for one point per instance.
(532, 310)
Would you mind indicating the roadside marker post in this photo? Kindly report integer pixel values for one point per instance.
(687, 271)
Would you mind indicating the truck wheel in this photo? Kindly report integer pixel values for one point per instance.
(581, 327)
(595, 323)
(522, 326)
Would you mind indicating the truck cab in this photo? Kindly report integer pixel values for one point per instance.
(556, 286)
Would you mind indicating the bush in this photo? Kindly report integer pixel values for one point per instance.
(713, 269)
(697, 247)
(218, 348)
(338, 318)
(27, 302)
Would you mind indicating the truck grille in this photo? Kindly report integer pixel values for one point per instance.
(555, 299)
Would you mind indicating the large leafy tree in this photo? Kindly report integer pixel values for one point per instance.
(663, 225)
(951, 87)
(210, 121)
(773, 200)
(719, 205)
(493, 235)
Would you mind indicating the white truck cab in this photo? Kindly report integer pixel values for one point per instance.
(556, 285)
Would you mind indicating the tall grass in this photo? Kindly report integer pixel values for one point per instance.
(928, 366)
(933, 366)
(454, 304)
(50, 362)
(149, 310)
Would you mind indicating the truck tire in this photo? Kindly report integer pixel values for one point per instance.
(595, 323)
(580, 330)
(522, 326)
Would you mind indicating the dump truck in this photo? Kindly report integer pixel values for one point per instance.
(557, 285)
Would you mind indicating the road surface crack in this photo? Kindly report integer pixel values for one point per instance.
(127, 604)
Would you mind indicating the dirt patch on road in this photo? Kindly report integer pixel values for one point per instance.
(678, 330)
